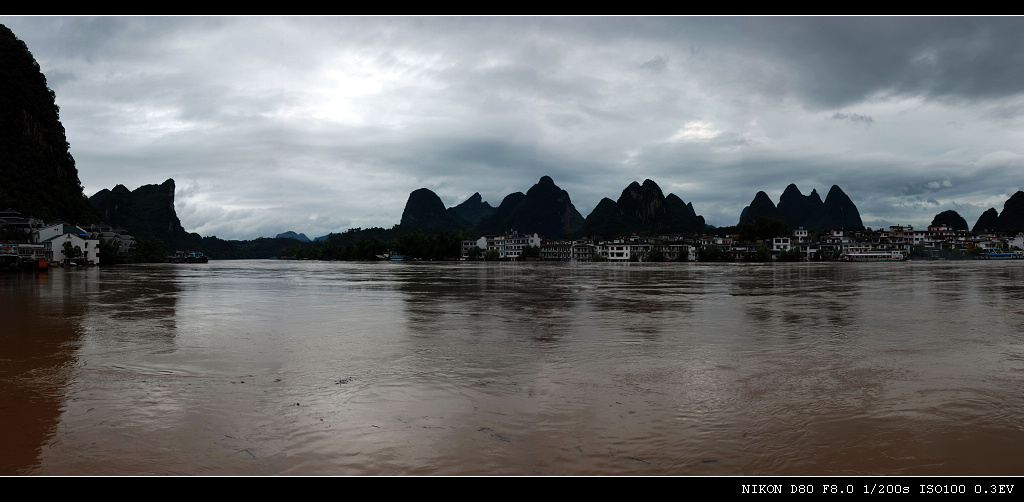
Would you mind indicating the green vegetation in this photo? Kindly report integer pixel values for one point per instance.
(358, 244)
(945, 254)
(71, 252)
(762, 253)
(789, 255)
(762, 229)
(150, 250)
(711, 253)
(108, 252)
(826, 254)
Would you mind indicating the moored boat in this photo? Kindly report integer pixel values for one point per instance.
(1002, 255)
(188, 257)
(873, 256)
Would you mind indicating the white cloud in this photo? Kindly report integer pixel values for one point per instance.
(695, 131)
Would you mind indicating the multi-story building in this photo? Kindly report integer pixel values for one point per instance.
(509, 246)
(54, 236)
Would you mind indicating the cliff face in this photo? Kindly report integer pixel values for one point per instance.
(425, 210)
(147, 211)
(684, 218)
(494, 223)
(643, 208)
(545, 209)
(951, 218)
(37, 169)
(839, 211)
(799, 210)
(473, 209)
(988, 220)
(808, 211)
(761, 206)
(598, 218)
(1011, 219)
(639, 208)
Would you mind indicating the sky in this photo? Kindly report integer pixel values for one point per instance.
(321, 124)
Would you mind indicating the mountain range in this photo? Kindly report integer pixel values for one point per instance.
(1011, 219)
(544, 208)
(643, 208)
(548, 210)
(293, 235)
(807, 211)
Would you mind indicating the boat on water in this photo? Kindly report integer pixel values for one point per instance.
(1002, 255)
(188, 257)
(873, 256)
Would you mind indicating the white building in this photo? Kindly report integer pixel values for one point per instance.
(509, 246)
(54, 236)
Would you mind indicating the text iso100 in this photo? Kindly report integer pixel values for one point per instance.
(957, 489)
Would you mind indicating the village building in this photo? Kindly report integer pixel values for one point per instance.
(509, 246)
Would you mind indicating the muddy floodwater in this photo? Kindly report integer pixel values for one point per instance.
(309, 368)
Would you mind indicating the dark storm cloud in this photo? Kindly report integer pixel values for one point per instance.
(852, 117)
(835, 62)
(929, 186)
(656, 65)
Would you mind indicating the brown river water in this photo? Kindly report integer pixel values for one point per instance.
(311, 368)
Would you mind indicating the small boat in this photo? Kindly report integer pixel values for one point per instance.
(1002, 255)
(873, 256)
(188, 257)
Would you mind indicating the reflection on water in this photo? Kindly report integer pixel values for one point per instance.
(39, 334)
(263, 367)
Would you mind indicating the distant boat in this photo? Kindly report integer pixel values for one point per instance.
(873, 256)
(1001, 255)
(188, 257)
(397, 257)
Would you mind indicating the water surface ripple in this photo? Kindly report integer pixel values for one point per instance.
(267, 367)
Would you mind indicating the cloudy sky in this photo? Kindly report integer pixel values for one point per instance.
(316, 125)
